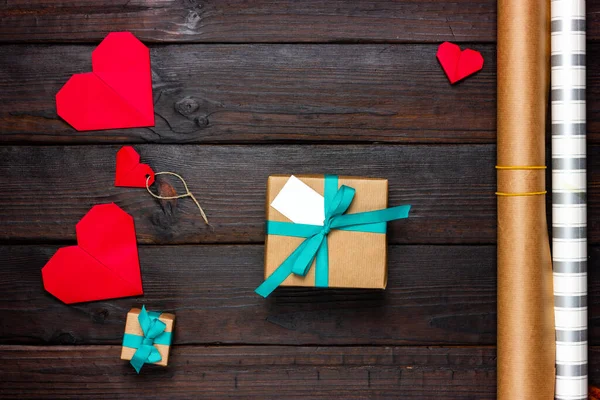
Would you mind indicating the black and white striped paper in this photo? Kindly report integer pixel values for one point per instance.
(569, 220)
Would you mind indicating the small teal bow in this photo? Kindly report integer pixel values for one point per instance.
(154, 333)
(337, 202)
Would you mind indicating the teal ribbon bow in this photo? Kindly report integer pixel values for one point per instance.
(154, 333)
(337, 202)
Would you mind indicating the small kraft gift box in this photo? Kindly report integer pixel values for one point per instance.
(147, 337)
(327, 231)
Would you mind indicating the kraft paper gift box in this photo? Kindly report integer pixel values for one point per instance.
(356, 259)
(134, 335)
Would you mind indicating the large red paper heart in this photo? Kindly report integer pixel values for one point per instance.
(130, 172)
(103, 265)
(458, 64)
(117, 94)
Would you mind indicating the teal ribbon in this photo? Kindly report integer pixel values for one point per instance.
(154, 333)
(337, 202)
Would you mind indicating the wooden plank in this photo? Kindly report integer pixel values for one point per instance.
(435, 295)
(47, 190)
(267, 93)
(257, 373)
(256, 21)
(271, 372)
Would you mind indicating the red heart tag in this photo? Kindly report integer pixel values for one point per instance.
(130, 173)
(103, 265)
(117, 94)
(458, 64)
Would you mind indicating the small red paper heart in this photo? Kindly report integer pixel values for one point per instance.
(103, 265)
(458, 64)
(130, 173)
(117, 94)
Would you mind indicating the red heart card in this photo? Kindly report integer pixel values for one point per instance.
(458, 64)
(103, 265)
(117, 94)
(130, 172)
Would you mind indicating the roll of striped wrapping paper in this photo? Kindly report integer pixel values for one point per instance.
(569, 221)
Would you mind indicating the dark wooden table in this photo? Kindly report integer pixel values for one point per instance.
(243, 90)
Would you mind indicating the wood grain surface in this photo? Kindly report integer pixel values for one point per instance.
(245, 89)
(250, 22)
(49, 188)
(214, 21)
(273, 93)
(264, 94)
(435, 295)
(250, 372)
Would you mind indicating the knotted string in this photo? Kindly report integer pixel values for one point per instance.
(181, 196)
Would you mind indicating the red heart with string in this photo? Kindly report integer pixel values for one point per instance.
(458, 64)
(130, 172)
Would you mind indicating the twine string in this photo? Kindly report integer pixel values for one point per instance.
(181, 196)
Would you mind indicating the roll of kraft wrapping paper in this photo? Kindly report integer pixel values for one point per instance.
(525, 300)
(569, 220)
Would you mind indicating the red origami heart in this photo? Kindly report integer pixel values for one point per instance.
(117, 94)
(103, 265)
(458, 64)
(130, 172)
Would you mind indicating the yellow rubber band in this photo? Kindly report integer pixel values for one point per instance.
(521, 167)
(521, 194)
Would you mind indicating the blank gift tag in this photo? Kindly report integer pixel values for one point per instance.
(300, 203)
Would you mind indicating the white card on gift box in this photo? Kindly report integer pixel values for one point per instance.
(300, 203)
